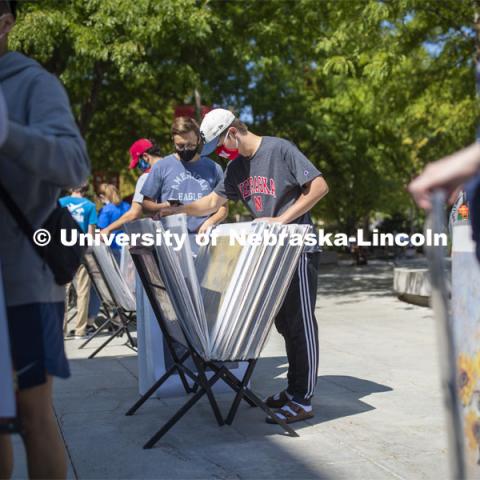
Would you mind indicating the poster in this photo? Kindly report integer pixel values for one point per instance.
(465, 307)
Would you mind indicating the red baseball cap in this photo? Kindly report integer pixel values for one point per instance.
(138, 148)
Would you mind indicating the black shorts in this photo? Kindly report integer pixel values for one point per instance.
(36, 341)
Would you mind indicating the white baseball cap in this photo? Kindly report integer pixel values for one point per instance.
(214, 123)
(3, 119)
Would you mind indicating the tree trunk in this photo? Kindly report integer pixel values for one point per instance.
(198, 106)
(88, 108)
(366, 225)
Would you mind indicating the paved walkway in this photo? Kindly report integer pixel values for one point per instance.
(378, 404)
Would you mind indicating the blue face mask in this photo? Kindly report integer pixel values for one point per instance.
(143, 165)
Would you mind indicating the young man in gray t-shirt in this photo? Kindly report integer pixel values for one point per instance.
(277, 183)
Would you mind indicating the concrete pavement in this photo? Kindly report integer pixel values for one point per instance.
(378, 405)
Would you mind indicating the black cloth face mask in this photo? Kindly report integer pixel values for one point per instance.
(186, 155)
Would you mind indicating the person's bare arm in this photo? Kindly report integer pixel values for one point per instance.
(151, 206)
(200, 208)
(133, 213)
(448, 173)
(91, 229)
(215, 219)
(313, 192)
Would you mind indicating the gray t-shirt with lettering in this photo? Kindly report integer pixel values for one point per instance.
(270, 181)
(173, 179)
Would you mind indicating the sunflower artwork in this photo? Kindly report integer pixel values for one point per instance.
(469, 393)
(466, 324)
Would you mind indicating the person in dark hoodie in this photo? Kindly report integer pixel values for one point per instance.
(42, 154)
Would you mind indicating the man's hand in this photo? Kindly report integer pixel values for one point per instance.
(151, 206)
(169, 210)
(205, 226)
(446, 174)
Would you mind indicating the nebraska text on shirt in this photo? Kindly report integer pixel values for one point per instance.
(256, 184)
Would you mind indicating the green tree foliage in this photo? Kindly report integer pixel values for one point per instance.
(370, 90)
(125, 64)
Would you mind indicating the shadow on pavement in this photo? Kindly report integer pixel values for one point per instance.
(370, 280)
(101, 390)
(336, 396)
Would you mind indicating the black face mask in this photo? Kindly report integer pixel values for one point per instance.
(186, 155)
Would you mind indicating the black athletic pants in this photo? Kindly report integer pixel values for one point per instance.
(297, 323)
